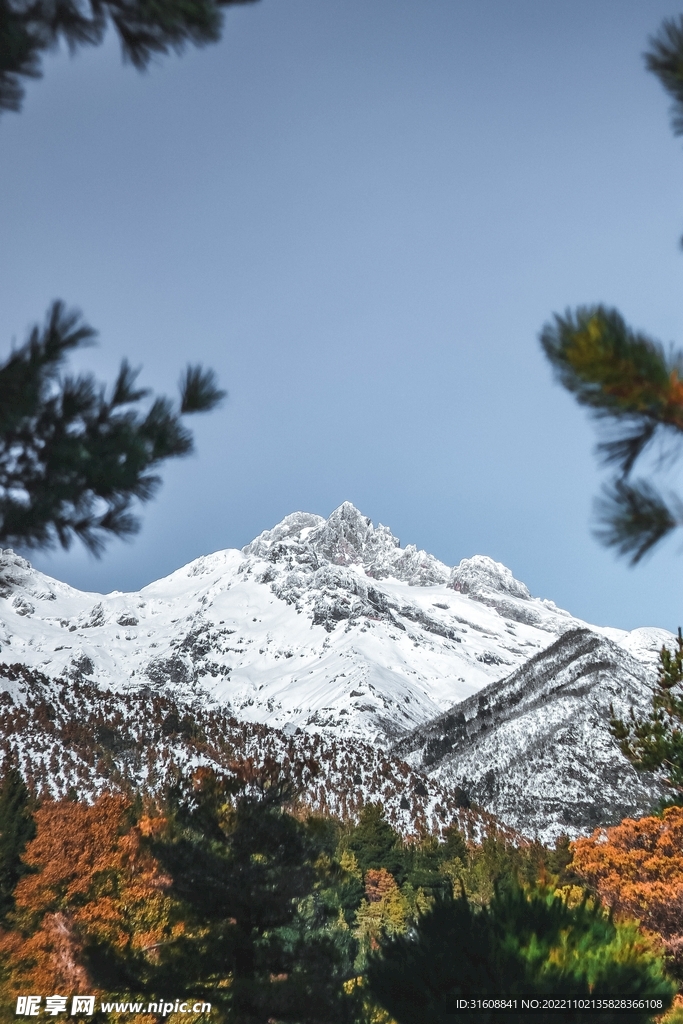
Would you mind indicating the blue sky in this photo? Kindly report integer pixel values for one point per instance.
(361, 214)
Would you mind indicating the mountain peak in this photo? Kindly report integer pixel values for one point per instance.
(293, 528)
(480, 575)
(17, 576)
(348, 537)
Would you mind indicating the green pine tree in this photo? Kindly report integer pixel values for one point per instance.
(518, 945)
(17, 828)
(655, 743)
(375, 844)
(74, 458)
(263, 941)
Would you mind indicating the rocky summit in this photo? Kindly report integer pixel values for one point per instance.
(330, 627)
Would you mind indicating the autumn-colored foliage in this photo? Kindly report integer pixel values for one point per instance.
(226, 896)
(636, 868)
(378, 885)
(384, 909)
(94, 891)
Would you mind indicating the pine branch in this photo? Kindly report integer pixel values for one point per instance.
(635, 391)
(615, 371)
(29, 371)
(635, 517)
(145, 28)
(665, 60)
(199, 391)
(73, 460)
(124, 393)
(624, 450)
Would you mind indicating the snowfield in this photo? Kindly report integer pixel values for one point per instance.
(320, 625)
(317, 624)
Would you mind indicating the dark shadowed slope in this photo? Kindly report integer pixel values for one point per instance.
(535, 748)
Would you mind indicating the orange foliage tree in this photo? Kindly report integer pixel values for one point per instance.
(95, 908)
(636, 868)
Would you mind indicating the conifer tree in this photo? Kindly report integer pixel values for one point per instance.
(259, 944)
(518, 945)
(374, 842)
(655, 743)
(629, 382)
(74, 456)
(145, 29)
(17, 828)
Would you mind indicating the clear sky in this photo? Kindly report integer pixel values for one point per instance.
(361, 214)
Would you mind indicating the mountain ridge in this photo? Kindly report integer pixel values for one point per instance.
(316, 624)
(330, 627)
(71, 737)
(535, 748)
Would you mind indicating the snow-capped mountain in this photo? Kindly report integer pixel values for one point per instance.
(318, 624)
(536, 750)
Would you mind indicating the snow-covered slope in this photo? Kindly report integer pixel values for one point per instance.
(323, 625)
(77, 738)
(536, 750)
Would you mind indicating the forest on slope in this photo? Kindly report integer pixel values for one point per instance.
(227, 896)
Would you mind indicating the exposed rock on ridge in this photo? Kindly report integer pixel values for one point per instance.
(347, 538)
(535, 748)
